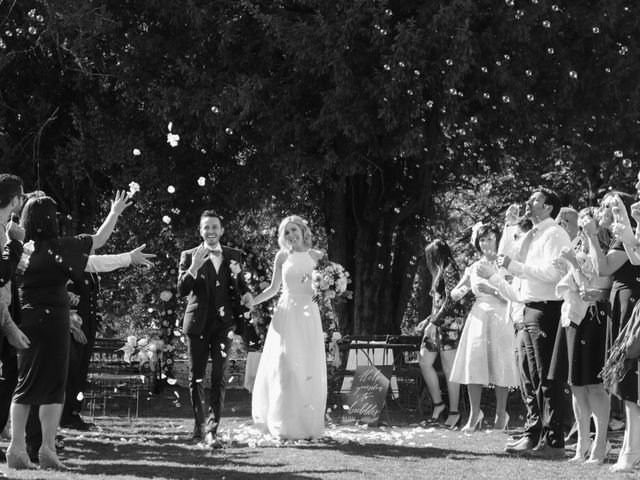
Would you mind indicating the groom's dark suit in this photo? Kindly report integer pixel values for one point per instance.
(213, 310)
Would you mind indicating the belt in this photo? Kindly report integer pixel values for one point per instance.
(542, 303)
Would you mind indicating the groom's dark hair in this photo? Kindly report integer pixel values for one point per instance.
(551, 198)
(211, 213)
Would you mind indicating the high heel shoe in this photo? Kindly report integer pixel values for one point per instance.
(49, 459)
(468, 428)
(505, 425)
(438, 409)
(452, 420)
(626, 461)
(19, 461)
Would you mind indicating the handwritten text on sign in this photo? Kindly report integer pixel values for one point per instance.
(368, 393)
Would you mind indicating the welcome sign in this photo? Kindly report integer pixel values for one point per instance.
(368, 393)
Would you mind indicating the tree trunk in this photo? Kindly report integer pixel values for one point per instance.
(382, 255)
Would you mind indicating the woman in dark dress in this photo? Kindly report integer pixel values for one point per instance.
(442, 329)
(582, 335)
(625, 292)
(42, 368)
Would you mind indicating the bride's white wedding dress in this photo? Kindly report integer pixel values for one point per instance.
(290, 391)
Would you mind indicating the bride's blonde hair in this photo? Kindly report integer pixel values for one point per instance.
(306, 232)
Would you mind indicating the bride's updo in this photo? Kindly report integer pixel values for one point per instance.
(302, 225)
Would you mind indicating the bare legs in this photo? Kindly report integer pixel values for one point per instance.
(630, 453)
(475, 393)
(588, 401)
(49, 419)
(600, 406)
(502, 417)
(19, 414)
(426, 360)
(582, 413)
(447, 358)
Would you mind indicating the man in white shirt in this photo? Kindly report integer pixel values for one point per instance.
(538, 278)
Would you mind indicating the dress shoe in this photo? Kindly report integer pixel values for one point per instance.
(515, 439)
(545, 451)
(76, 423)
(525, 444)
(19, 461)
(211, 441)
(469, 427)
(197, 433)
(49, 459)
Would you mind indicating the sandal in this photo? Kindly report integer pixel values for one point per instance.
(453, 420)
(438, 410)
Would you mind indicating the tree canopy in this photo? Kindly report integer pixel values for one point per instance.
(382, 122)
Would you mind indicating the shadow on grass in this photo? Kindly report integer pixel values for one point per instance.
(380, 450)
(162, 457)
(185, 461)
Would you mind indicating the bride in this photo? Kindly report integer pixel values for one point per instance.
(290, 389)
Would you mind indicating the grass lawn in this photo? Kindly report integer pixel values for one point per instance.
(157, 445)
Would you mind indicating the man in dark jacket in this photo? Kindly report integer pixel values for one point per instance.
(210, 277)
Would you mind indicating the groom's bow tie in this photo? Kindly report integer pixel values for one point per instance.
(215, 253)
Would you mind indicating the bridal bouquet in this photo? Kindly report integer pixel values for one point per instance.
(144, 350)
(329, 281)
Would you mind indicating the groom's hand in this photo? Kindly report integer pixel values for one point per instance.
(198, 258)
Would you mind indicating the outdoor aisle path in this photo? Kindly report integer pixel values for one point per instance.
(159, 446)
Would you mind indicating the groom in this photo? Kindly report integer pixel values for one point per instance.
(210, 277)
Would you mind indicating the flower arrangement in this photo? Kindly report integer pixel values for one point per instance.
(145, 350)
(329, 281)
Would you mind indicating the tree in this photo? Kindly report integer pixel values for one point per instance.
(373, 119)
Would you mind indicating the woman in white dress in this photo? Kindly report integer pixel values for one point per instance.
(290, 391)
(486, 353)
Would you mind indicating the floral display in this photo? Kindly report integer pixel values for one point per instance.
(330, 280)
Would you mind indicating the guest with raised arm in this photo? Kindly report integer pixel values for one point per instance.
(83, 336)
(584, 320)
(544, 434)
(486, 352)
(620, 373)
(45, 320)
(210, 277)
